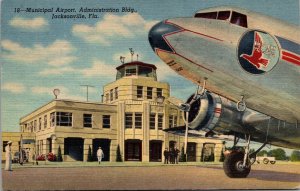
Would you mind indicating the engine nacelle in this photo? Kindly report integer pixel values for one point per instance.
(214, 113)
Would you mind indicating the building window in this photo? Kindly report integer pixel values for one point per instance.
(160, 121)
(40, 123)
(63, 119)
(149, 92)
(87, 120)
(158, 92)
(130, 71)
(138, 120)
(116, 93)
(45, 121)
(175, 121)
(31, 126)
(52, 119)
(139, 92)
(152, 121)
(111, 95)
(128, 120)
(35, 125)
(107, 97)
(170, 121)
(106, 121)
(25, 127)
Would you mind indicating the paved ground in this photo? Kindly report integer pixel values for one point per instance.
(161, 177)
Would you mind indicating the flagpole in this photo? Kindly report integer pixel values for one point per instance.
(21, 160)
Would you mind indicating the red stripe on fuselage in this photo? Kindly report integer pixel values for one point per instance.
(184, 29)
(291, 57)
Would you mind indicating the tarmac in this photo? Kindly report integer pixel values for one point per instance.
(146, 176)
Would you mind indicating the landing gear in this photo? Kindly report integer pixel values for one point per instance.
(237, 163)
(233, 165)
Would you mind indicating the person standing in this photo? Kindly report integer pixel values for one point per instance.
(176, 153)
(8, 157)
(100, 154)
(166, 155)
(171, 154)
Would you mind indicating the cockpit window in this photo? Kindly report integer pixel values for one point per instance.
(239, 19)
(223, 15)
(209, 15)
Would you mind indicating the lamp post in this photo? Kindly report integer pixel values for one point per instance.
(56, 92)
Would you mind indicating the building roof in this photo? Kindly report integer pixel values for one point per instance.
(136, 63)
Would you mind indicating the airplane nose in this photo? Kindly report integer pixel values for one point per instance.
(157, 32)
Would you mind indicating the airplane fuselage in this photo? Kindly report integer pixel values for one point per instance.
(201, 48)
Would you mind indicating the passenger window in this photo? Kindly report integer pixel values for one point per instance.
(210, 15)
(239, 19)
(223, 15)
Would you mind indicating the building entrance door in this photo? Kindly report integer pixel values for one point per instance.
(133, 150)
(49, 144)
(74, 148)
(208, 152)
(155, 151)
(191, 152)
(105, 146)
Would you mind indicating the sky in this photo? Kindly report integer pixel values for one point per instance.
(39, 53)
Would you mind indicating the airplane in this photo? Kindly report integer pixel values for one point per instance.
(248, 65)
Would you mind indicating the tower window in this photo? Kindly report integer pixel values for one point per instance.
(149, 92)
(170, 121)
(159, 92)
(160, 120)
(139, 92)
(138, 120)
(116, 93)
(128, 120)
(130, 70)
(152, 121)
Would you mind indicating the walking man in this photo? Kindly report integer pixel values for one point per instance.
(100, 154)
(8, 157)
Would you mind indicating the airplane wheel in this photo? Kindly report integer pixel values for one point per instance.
(266, 161)
(272, 162)
(233, 166)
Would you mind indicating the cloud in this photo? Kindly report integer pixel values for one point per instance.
(58, 53)
(13, 87)
(112, 26)
(29, 24)
(164, 71)
(97, 69)
(65, 93)
(57, 71)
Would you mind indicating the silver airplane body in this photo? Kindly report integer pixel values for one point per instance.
(242, 56)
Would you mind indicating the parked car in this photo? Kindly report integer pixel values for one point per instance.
(16, 157)
(266, 160)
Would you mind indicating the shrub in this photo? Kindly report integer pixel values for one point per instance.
(119, 157)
